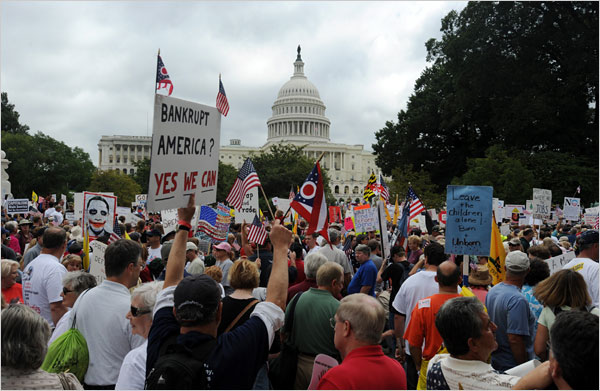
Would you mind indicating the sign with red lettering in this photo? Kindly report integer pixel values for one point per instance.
(185, 153)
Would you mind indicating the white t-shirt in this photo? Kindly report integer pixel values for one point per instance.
(63, 325)
(58, 217)
(472, 374)
(49, 212)
(42, 284)
(153, 253)
(415, 288)
(133, 371)
(338, 256)
(589, 270)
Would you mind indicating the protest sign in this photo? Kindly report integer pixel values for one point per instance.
(556, 263)
(17, 206)
(70, 216)
(504, 229)
(542, 202)
(97, 250)
(349, 220)
(249, 207)
(591, 217)
(323, 363)
(169, 220)
(123, 211)
(78, 203)
(98, 214)
(571, 208)
(185, 153)
(139, 198)
(335, 214)
(498, 209)
(469, 223)
(514, 213)
(283, 205)
(385, 244)
(529, 206)
(365, 218)
(442, 217)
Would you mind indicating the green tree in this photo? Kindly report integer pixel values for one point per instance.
(10, 118)
(45, 165)
(421, 183)
(142, 174)
(512, 181)
(124, 187)
(227, 176)
(282, 168)
(523, 75)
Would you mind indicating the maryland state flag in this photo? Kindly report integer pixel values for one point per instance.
(369, 189)
(497, 255)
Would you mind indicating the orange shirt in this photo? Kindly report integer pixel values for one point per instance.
(13, 293)
(422, 324)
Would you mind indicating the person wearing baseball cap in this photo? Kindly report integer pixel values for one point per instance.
(189, 309)
(221, 253)
(153, 245)
(586, 263)
(509, 310)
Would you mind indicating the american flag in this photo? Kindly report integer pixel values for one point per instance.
(222, 104)
(246, 180)
(384, 192)
(292, 194)
(116, 233)
(416, 206)
(257, 233)
(207, 223)
(162, 77)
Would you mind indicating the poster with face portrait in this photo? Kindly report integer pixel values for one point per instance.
(99, 214)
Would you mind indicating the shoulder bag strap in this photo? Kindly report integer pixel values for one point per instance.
(74, 313)
(290, 319)
(237, 318)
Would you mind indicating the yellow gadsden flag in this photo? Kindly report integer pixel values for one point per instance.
(396, 212)
(497, 255)
(34, 197)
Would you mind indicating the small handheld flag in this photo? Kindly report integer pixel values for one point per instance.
(34, 197)
(247, 179)
(257, 233)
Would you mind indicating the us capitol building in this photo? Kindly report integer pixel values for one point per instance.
(298, 118)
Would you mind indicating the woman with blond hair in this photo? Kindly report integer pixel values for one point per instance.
(12, 291)
(565, 290)
(237, 307)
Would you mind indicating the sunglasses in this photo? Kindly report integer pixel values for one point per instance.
(65, 291)
(139, 311)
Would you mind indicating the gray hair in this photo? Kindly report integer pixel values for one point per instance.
(312, 263)
(366, 316)
(363, 248)
(7, 266)
(78, 281)
(147, 293)
(11, 226)
(328, 272)
(457, 321)
(25, 336)
(334, 235)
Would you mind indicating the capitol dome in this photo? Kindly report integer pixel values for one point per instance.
(298, 113)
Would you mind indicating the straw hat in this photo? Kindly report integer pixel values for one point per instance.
(481, 276)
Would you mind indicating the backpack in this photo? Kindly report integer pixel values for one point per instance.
(179, 367)
(68, 353)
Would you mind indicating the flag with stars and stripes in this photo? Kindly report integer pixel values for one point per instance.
(257, 233)
(384, 192)
(247, 179)
(162, 77)
(310, 203)
(416, 206)
(292, 194)
(207, 223)
(222, 103)
(116, 233)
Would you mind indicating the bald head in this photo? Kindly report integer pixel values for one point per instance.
(448, 274)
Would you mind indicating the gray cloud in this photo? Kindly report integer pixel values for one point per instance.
(80, 70)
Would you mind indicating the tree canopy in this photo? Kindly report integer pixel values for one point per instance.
(39, 162)
(142, 174)
(520, 75)
(123, 185)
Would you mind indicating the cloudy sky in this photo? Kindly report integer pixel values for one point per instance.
(80, 70)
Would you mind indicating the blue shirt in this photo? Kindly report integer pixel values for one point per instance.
(534, 305)
(509, 310)
(365, 276)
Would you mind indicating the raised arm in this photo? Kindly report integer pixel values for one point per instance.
(176, 262)
(278, 280)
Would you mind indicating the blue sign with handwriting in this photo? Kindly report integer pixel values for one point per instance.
(468, 220)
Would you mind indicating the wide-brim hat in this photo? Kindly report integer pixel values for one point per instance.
(25, 222)
(481, 276)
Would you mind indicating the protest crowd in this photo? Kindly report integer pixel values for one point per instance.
(279, 303)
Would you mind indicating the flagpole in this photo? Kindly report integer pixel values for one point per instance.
(266, 199)
(155, 84)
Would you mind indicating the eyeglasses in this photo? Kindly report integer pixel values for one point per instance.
(65, 290)
(139, 311)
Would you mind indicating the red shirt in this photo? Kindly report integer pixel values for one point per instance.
(422, 324)
(365, 368)
(14, 292)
